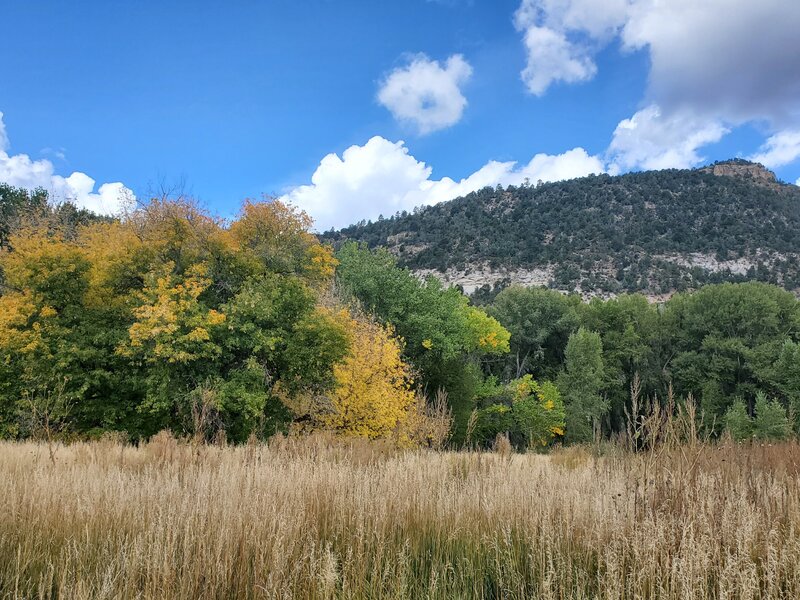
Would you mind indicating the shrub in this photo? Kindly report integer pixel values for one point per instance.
(737, 422)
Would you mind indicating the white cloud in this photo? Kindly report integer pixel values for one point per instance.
(652, 140)
(797, 183)
(3, 136)
(717, 63)
(19, 170)
(551, 58)
(562, 36)
(779, 150)
(547, 167)
(110, 198)
(426, 94)
(381, 177)
(735, 60)
(600, 19)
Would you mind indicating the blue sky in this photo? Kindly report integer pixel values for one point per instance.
(244, 98)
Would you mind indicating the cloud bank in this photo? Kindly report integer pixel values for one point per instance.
(382, 177)
(714, 65)
(19, 170)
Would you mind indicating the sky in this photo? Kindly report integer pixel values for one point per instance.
(354, 109)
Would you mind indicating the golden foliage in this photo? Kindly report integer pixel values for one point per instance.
(109, 248)
(320, 262)
(171, 324)
(373, 396)
(487, 334)
(17, 312)
(269, 224)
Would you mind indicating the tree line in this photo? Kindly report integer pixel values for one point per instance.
(169, 318)
(733, 348)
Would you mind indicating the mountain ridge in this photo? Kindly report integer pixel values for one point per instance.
(654, 232)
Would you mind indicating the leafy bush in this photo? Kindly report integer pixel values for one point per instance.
(737, 422)
(532, 417)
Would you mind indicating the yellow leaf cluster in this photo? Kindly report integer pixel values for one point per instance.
(278, 235)
(269, 223)
(15, 311)
(321, 264)
(171, 323)
(488, 334)
(108, 247)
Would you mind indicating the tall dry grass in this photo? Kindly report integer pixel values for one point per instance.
(312, 519)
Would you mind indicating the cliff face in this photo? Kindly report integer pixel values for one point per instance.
(747, 170)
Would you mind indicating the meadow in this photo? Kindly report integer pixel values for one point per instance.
(318, 518)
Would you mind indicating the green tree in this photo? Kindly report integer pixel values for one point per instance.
(737, 422)
(725, 340)
(787, 374)
(443, 334)
(581, 383)
(540, 322)
(17, 206)
(538, 411)
(531, 413)
(632, 339)
(770, 422)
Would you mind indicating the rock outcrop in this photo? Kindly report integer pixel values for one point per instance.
(742, 168)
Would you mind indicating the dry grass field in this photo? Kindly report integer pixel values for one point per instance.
(313, 519)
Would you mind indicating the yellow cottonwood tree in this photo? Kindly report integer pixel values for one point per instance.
(278, 236)
(372, 396)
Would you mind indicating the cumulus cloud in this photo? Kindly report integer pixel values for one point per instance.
(719, 63)
(427, 94)
(552, 58)
(652, 140)
(381, 177)
(19, 170)
(599, 19)
(779, 150)
(737, 60)
(561, 38)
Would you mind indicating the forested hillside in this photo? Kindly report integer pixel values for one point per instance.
(656, 232)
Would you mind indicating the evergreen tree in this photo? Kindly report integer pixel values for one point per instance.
(770, 423)
(580, 385)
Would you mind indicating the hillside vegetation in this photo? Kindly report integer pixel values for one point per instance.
(654, 232)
